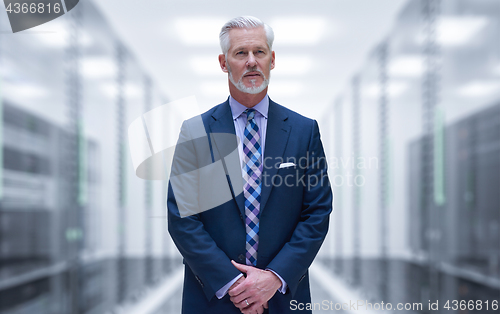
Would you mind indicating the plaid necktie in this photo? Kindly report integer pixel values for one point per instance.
(252, 186)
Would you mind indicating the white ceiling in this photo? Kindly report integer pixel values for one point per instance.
(316, 54)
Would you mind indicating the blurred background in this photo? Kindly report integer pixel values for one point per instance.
(407, 96)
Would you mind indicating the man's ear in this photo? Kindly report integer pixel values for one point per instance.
(273, 57)
(222, 62)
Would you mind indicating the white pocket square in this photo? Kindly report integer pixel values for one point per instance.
(286, 165)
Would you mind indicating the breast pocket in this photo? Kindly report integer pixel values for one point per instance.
(290, 177)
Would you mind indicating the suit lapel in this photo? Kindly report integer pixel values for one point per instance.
(223, 123)
(277, 134)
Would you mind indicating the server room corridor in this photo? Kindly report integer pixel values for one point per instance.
(406, 94)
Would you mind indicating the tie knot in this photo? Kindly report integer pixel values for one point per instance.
(250, 114)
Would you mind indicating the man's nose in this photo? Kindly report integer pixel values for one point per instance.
(251, 62)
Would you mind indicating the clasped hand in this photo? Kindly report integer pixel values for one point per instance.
(251, 294)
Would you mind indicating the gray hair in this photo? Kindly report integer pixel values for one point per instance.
(243, 22)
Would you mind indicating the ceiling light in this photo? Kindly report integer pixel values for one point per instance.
(455, 31)
(53, 39)
(479, 88)
(395, 89)
(285, 89)
(23, 90)
(199, 31)
(53, 34)
(407, 66)
(133, 90)
(206, 65)
(56, 35)
(218, 89)
(292, 65)
(299, 31)
(98, 67)
(110, 90)
(130, 90)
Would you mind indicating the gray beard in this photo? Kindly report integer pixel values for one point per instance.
(249, 90)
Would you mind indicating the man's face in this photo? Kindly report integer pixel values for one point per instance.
(249, 60)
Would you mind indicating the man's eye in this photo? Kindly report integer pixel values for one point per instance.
(240, 53)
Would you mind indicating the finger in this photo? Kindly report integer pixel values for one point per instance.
(248, 310)
(241, 298)
(240, 267)
(237, 283)
(239, 289)
(254, 308)
(236, 291)
(237, 299)
(242, 305)
(265, 305)
(245, 305)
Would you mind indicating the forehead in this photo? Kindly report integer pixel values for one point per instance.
(245, 38)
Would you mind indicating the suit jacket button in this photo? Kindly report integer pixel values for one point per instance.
(241, 257)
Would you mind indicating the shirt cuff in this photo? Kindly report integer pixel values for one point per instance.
(222, 291)
(283, 283)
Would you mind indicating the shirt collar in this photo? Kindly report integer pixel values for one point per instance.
(237, 109)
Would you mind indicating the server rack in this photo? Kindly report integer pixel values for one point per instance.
(54, 180)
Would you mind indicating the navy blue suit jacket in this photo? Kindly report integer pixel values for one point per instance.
(294, 215)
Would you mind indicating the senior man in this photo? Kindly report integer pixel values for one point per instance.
(250, 254)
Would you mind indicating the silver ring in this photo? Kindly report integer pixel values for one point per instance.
(246, 302)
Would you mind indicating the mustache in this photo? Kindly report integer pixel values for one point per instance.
(254, 69)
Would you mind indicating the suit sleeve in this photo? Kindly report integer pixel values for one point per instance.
(296, 256)
(209, 263)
